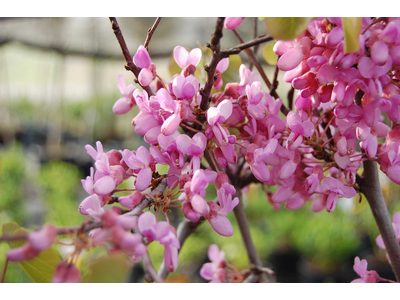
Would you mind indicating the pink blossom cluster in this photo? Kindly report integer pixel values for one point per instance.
(328, 79)
(311, 155)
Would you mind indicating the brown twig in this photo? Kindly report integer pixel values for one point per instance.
(147, 200)
(259, 68)
(243, 46)
(3, 277)
(255, 23)
(215, 46)
(252, 254)
(148, 265)
(275, 81)
(130, 66)
(150, 32)
(373, 192)
(290, 98)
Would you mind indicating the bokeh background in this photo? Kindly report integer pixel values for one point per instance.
(58, 83)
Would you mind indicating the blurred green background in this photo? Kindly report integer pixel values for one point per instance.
(53, 102)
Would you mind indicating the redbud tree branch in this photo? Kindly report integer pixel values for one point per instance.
(150, 32)
(150, 268)
(243, 46)
(259, 68)
(255, 261)
(255, 29)
(373, 192)
(130, 66)
(214, 45)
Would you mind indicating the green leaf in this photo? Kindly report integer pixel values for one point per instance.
(285, 28)
(352, 30)
(269, 55)
(41, 268)
(108, 269)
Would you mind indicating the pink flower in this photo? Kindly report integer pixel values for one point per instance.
(214, 270)
(66, 273)
(142, 60)
(165, 234)
(336, 188)
(37, 241)
(222, 66)
(140, 164)
(130, 243)
(185, 87)
(193, 147)
(185, 58)
(360, 267)
(124, 104)
(217, 213)
(233, 22)
(390, 160)
(132, 200)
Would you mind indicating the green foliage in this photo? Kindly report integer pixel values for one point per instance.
(60, 181)
(352, 30)
(269, 55)
(113, 268)
(40, 268)
(12, 178)
(286, 28)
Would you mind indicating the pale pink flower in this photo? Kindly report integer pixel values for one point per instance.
(185, 58)
(360, 267)
(214, 270)
(124, 104)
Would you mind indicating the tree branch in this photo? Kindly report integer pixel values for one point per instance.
(255, 27)
(147, 200)
(150, 32)
(130, 66)
(377, 203)
(214, 45)
(239, 48)
(148, 265)
(248, 241)
(275, 81)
